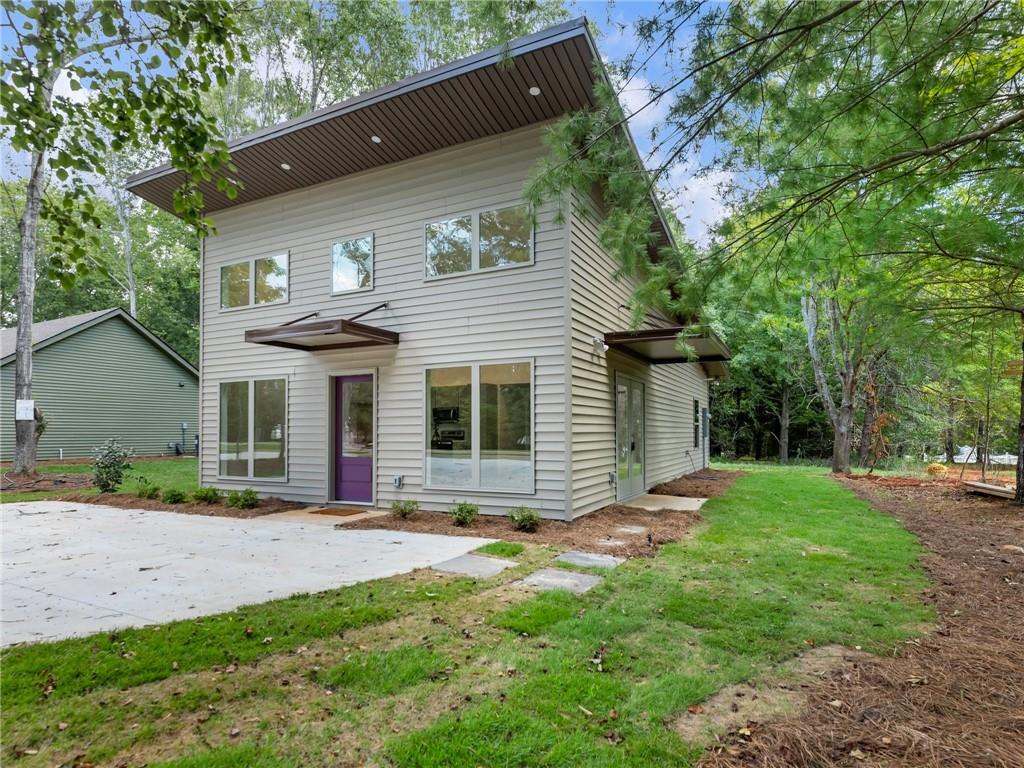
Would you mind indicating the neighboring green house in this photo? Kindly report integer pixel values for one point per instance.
(102, 375)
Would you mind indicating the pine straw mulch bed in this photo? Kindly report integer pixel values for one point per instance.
(595, 532)
(267, 506)
(11, 483)
(953, 698)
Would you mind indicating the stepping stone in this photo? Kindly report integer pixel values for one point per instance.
(557, 578)
(589, 559)
(474, 565)
(610, 543)
(636, 530)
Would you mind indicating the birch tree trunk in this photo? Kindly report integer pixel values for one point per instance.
(28, 229)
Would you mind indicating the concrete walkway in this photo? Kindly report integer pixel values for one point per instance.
(74, 569)
(653, 502)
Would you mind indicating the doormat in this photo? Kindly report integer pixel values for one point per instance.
(337, 511)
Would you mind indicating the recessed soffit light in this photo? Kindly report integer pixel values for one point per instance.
(285, 167)
(375, 139)
(534, 90)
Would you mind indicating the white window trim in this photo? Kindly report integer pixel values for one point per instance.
(251, 381)
(475, 267)
(251, 261)
(474, 383)
(373, 263)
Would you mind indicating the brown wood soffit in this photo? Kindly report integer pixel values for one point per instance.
(480, 96)
(322, 335)
(657, 346)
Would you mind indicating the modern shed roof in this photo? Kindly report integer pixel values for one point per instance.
(530, 80)
(50, 332)
(658, 346)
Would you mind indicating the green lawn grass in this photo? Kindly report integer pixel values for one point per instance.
(428, 671)
(181, 473)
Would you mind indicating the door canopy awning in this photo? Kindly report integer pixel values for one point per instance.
(317, 335)
(658, 346)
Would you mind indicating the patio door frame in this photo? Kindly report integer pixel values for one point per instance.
(331, 449)
(630, 491)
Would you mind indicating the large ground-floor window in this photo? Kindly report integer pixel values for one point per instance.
(480, 426)
(253, 429)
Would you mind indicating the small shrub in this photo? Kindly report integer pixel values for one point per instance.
(174, 496)
(246, 499)
(525, 519)
(110, 465)
(207, 496)
(463, 513)
(404, 508)
(936, 470)
(147, 490)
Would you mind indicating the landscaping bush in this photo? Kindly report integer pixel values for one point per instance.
(110, 465)
(174, 496)
(207, 496)
(147, 490)
(936, 470)
(404, 508)
(463, 513)
(525, 519)
(246, 499)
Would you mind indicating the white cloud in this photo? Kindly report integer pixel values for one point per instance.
(634, 98)
(698, 200)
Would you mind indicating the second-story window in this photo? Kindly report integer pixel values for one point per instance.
(262, 280)
(352, 265)
(487, 239)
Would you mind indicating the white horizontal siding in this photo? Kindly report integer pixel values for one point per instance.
(596, 300)
(517, 313)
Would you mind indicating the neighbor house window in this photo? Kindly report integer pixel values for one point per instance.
(352, 265)
(488, 239)
(253, 429)
(480, 427)
(696, 423)
(262, 280)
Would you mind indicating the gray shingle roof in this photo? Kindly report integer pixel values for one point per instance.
(47, 329)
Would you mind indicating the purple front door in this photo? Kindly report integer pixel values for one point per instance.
(353, 438)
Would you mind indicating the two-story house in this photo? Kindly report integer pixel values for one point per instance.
(384, 318)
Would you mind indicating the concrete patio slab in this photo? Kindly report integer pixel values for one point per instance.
(477, 566)
(73, 569)
(652, 502)
(589, 559)
(557, 578)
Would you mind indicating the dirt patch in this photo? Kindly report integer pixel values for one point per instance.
(701, 485)
(23, 483)
(600, 531)
(742, 706)
(952, 698)
(951, 480)
(267, 506)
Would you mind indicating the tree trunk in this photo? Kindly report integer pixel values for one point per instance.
(1018, 496)
(784, 426)
(841, 451)
(28, 227)
(949, 434)
(124, 218)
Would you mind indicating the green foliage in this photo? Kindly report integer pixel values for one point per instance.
(207, 495)
(145, 489)
(109, 466)
(248, 755)
(524, 519)
(174, 496)
(247, 499)
(463, 513)
(501, 548)
(404, 508)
